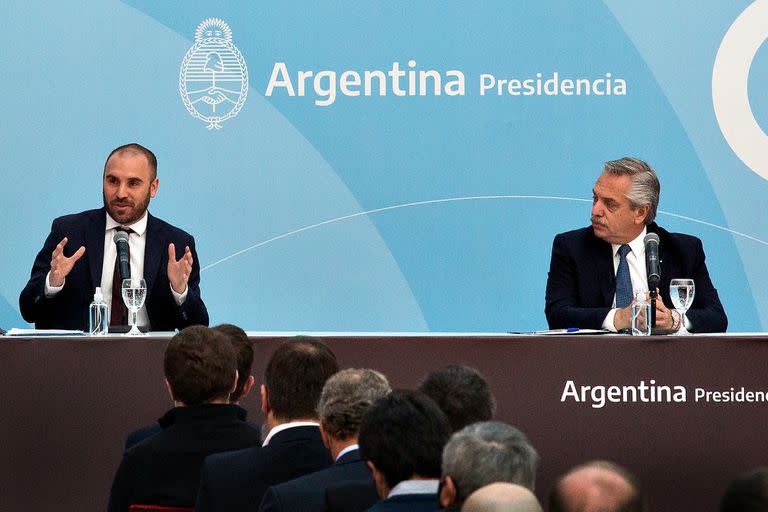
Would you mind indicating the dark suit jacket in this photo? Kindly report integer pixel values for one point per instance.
(237, 481)
(307, 493)
(165, 468)
(407, 503)
(68, 309)
(351, 496)
(581, 284)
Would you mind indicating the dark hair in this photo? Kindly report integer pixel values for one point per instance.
(295, 376)
(462, 394)
(747, 493)
(136, 149)
(200, 365)
(635, 503)
(403, 435)
(244, 349)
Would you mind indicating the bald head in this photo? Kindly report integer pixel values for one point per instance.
(502, 497)
(597, 486)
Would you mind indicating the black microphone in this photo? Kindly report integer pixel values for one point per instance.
(123, 253)
(652, 265)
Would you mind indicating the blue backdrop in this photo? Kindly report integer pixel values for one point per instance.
(384, 212)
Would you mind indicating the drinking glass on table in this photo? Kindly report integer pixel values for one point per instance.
(134, 292)
(681, 292)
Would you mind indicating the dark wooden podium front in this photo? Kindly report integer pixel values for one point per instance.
(67, 404)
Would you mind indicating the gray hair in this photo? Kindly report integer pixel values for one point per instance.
(645, 187)
(488, 452)
(345, 398)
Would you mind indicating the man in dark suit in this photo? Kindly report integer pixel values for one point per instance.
(594, 271)
(402, 438)
(244, 349)
(62, 282)
(200, 369)
(345, 398)
(293, 381)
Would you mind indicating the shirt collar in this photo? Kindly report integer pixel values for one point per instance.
(637, 245)
(347, 450)
(415, 487)
(138, 227)
(285, 426)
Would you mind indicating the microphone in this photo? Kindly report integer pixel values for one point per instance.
(652, 266)
(123, 253)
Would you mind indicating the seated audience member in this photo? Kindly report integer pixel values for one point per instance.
(462, 394)
(598, 486)
(244, 383)
(200, 374)
(747, 493)
(484, 453)
(293, 381)
(402, 438)
(502, 497)
(345, 398)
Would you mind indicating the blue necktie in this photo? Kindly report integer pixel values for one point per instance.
(623, 281)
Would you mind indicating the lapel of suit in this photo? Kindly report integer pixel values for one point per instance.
(602, 257)
(153, 251)
(94, 242)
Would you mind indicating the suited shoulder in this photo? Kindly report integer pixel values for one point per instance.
(167, 227)
(577, 234)
(232, 459)
(77, 219)
(681, 240)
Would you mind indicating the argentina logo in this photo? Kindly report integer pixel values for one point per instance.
(213, 80)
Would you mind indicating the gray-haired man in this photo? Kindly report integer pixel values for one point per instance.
(484, 453)
(345, 397)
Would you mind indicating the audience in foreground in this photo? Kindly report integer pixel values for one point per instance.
(747, 493)
(345, 398)
(597, 486)
(502, 497)
(461, 393)
(402, 438)
(245, 380)
(293, 380)
(200, 374)
(484, 453)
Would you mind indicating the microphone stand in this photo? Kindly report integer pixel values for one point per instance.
(652, 285)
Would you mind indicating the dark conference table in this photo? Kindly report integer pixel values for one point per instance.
(69, 402)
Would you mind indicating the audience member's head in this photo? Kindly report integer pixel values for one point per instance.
(484, 453)
(294, 378)
(462, 394)
(345, 398)
(747, 493)
(244, 350)
(200, 366)
(502, 497)
(402, 437)
(598, 486)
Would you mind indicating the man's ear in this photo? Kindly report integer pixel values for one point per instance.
(447, 493)
(170, 391)
(247, 386)
(325, 436)
(382, 489)
(264, 400)
(641, 214)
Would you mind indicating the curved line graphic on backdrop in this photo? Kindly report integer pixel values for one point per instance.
(730, 80)
(451, 200)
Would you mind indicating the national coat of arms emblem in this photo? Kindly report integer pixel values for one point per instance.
(213, 80)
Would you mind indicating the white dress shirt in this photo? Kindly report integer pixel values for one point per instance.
(637, 273)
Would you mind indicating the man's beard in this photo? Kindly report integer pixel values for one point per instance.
(132, 215)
